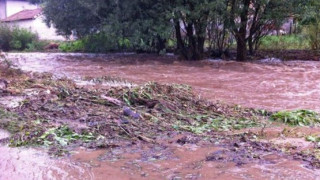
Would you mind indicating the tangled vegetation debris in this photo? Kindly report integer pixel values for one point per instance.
(58, 112)
(298, 117)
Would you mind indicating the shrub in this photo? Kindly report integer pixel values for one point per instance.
(99, 43)
(37, 45)
(96, 43)
(15, 38)
(75, 46)
(5, 37)
(21, 38)
(312, 33)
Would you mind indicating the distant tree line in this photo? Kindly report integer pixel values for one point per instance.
(193, 27)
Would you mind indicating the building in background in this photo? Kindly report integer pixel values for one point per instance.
(29, 16)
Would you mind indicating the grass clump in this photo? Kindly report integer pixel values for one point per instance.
(287, 42)
(297, 118)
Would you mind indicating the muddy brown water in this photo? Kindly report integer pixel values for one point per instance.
(24, 163)
(272, 85)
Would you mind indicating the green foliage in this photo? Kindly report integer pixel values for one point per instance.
(218, 124)
(289, 42)
(5, 37)
(37, 45)
(313, 138)
(147, 26)
(312, 32)
(298, 117)
(21, 38)
(74, 46)
(310, 22)
(102, 42)
(26, 133)
(63, 136)
(96, 43)
(15, 38)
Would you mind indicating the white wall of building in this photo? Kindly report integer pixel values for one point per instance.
(38, 26)
(3, 10)
(17, 6)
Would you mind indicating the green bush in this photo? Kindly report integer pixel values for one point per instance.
(21, 38)
(5, 37)
(37, 45)
(75, 46)
(15, 38)
(99, 43)
(312, 33)
(96, 43)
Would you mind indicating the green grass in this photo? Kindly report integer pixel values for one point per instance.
(287, 42)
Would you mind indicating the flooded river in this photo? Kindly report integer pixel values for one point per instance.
(273, 86)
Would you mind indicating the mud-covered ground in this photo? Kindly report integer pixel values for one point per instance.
(152, 131)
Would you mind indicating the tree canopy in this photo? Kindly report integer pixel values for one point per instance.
(194, 26)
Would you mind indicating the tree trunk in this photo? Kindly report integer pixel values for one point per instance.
(194, 49)
(192, 55)
(201, 41)
(161, 44)
(241, 49)
(251, 45)
(242, 33)
(181, 50)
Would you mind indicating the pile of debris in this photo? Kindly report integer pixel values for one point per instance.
(56, 112)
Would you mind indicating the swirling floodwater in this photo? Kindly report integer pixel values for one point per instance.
(272, 85)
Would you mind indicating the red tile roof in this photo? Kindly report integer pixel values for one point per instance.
(23, 15)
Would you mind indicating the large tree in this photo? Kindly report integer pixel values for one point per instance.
(250, 20)
(191, 20)
(148, 24)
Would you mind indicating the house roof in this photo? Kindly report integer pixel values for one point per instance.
(26, 14)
